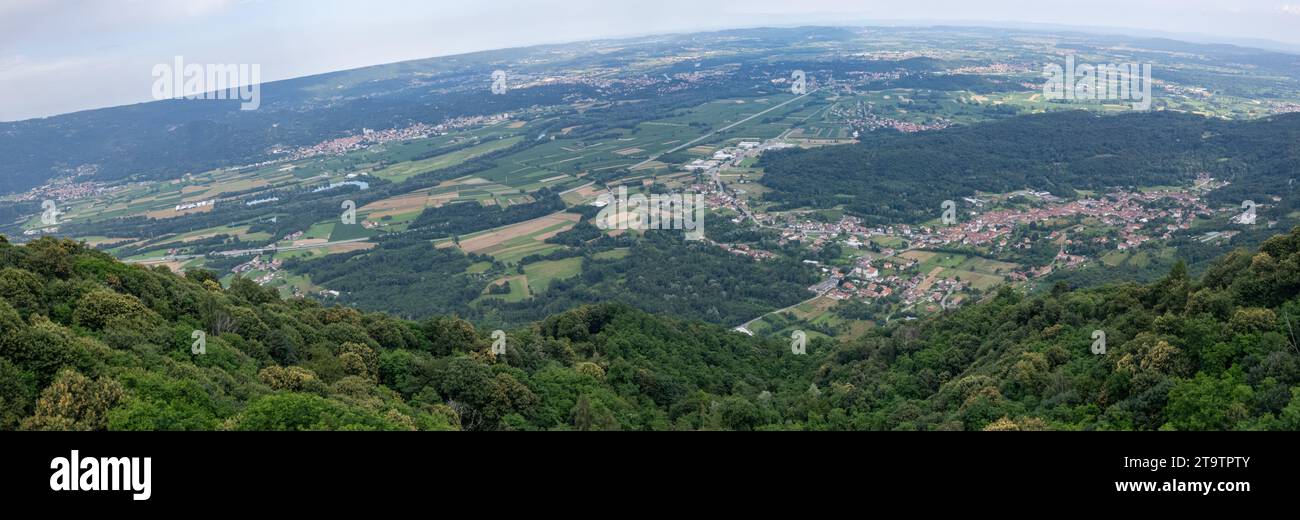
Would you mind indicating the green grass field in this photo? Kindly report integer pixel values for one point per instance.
(540, 274)
(402, 171)
(349, 232)
(613, 254)
(514, 255)
(518, 290)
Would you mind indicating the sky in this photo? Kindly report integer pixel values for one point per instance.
(59, 56)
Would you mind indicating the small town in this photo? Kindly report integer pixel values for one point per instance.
(369, 137)
(987, 224)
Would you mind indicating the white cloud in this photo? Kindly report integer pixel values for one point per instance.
(1290, 9)
(23, 19)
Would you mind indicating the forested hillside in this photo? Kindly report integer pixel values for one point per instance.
(89, 343)
(891, 177)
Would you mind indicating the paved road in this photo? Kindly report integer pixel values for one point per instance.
(943, 303)
(745, 327)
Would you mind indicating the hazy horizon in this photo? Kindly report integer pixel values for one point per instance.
(51, 51)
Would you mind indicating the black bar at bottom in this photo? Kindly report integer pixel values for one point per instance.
(325, 471)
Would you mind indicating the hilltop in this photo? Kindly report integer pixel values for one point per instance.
(89, 343)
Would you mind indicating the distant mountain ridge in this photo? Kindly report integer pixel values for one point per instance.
(167, 139)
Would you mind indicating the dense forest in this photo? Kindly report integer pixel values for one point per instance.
(666, 275)
(661, 273)
(89, 343)
(891, 177)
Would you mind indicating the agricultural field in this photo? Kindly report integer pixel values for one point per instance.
(519, 290)
(982, 273)
(541, 274)
(405, 170)
(511, 243)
